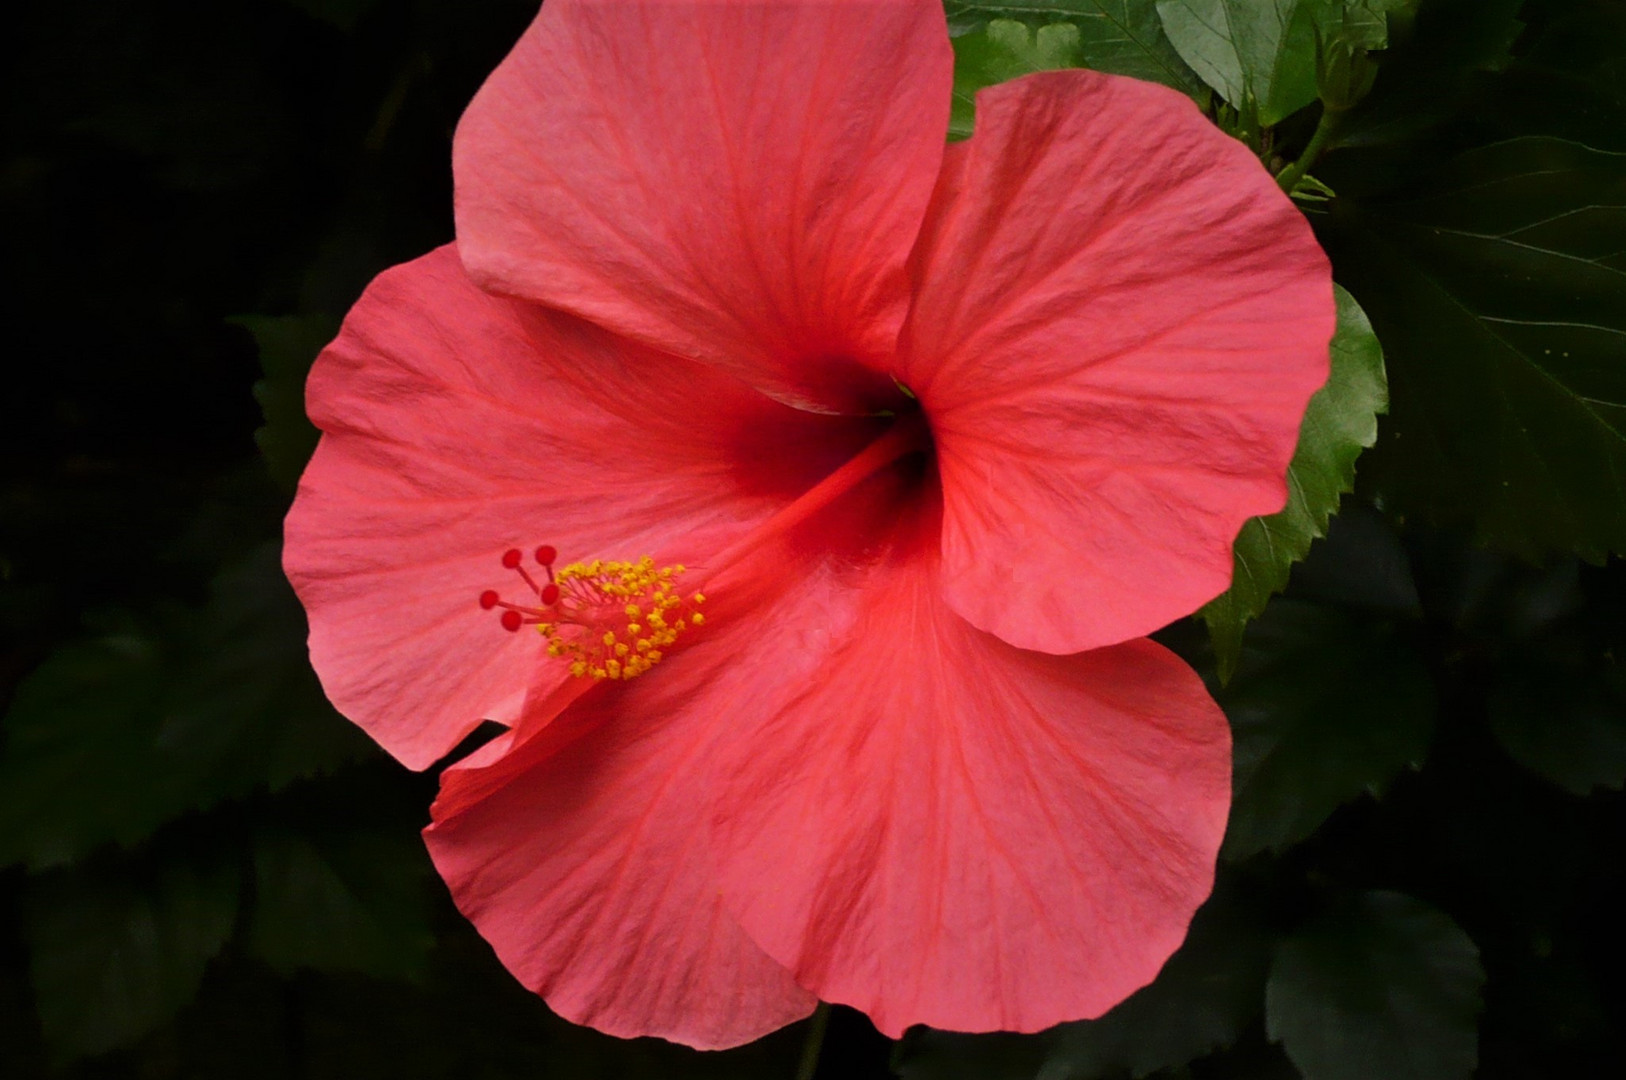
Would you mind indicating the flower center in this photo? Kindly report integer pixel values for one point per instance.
(616, 620)
(607, 619)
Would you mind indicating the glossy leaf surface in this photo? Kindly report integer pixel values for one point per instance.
(1499, 291)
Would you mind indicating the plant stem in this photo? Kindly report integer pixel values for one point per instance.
(1289, 177)
(814, 1043)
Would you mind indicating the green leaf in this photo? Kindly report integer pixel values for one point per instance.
(1429, 75)
(113, 956)
(1384, 988)
(1558, 707)
(928, 1054)
(288, 346)
(1362, 23)
(1324, 707)
(165, 714)
(1341, 420)
(344, 14)
(1587, 43)
(1260, 55)
(1120, 37)
(1004, 49)
(1570, 730)
(1204, 997)
(1363, 564)
(349, 899)
(1499, 293)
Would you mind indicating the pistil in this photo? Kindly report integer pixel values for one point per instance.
(617, 620)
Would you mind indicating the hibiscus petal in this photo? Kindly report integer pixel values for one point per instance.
(1118, 322)
(578, 854)
(739, 183)
(459, 425)
(940, 828)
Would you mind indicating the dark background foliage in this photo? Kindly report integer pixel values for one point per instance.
(204, 871)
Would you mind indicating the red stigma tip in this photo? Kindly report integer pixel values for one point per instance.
(489, 598)
(510, 620)
(546, 554)
(510, 558)
(550, 593)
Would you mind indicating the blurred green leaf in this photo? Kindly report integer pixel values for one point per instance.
(1207, 993)
(1324, 707)
(1346, 33)
(1361, 563)
(928, 1054)
(994, 42)
(114, 955)
(1568, 725)
(343, 14)
(344, 899)
(288, 346)
(1428, 74)
(1476, 35)
(1004, 49)
(1342, 420)
(1499, 293)
(1363, 23)
(1383, 988)
(166, 714)
(1260, 55)
(1587, 42)
(1557, 699)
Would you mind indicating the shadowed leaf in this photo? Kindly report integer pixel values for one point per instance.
(1324, 707)
(341, 900)
(288, 346)
(1384, 988)
(114, 956)
(1500, 296)
(165, 714)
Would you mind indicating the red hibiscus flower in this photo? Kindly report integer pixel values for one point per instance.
(936, 434)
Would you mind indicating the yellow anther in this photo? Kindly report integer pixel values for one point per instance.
(697, 619)
(612, 616)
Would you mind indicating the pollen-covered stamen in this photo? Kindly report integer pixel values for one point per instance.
(607, 619)
(615, 620)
